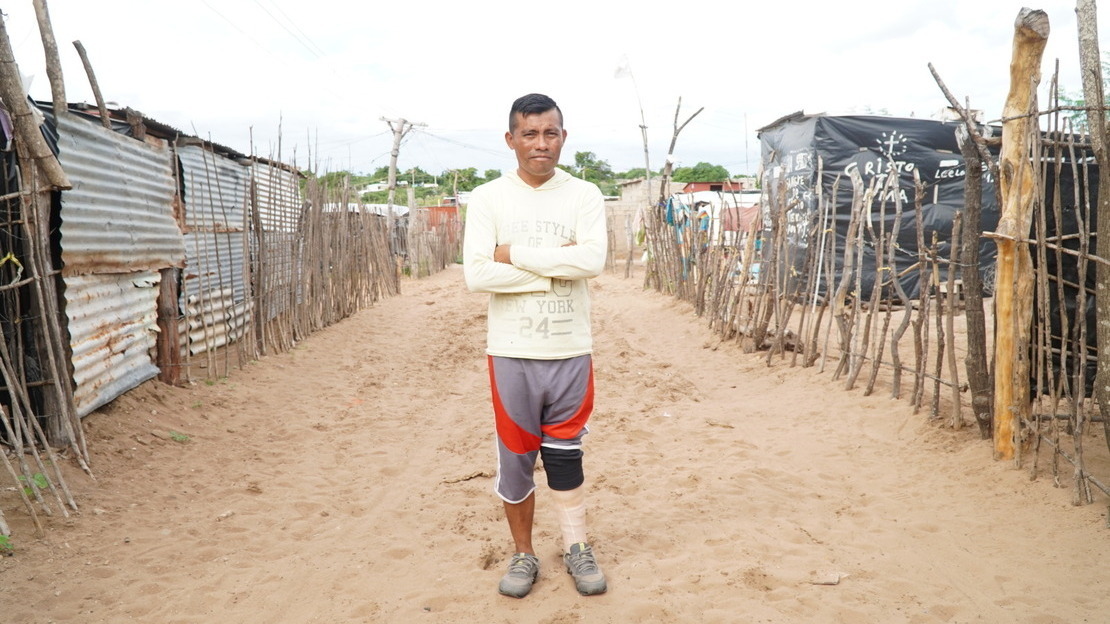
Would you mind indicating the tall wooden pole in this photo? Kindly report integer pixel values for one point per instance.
(669, 166)
(53, 64)
(1091, 71)
(976, 156)
(23, 120)
(976, 362)
(1014, 292)
(104, 118)
(400, 128)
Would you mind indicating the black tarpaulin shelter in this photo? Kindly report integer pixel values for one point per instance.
(798, 148)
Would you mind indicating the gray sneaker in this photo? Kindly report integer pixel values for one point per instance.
(581, 565)
(523, 570)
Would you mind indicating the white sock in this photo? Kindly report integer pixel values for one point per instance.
(570, 505)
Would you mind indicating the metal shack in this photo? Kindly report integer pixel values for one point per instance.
(117, 232)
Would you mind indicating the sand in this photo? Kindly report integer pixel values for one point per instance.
(349, 480)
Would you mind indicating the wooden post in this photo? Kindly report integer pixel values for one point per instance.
(23, 119)
(399, 127)
(169, 341)
(954, 295)
(1014, 295)
(976, 361)
(53, 64)
(976, 156)
(1091, 66)
(104, 117)
(135, 120)
(669, 166)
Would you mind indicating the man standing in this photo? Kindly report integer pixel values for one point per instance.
(533, 238)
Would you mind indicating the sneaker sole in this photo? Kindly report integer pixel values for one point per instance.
(598, 587)
(511, 594)
(514, 593)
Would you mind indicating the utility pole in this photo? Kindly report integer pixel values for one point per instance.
(400, 128)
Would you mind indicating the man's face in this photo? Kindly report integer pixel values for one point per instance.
(537, 140)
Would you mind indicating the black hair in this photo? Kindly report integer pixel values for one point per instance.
(532, 104)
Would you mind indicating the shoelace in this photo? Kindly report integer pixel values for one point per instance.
(583, 562)
(520, 564)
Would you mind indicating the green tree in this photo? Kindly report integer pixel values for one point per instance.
(415, 176)
(492, 174)
(424, 196)
(1072, 101)
(336, 183)
(589, 167)
(701, 172)
(592, 169)
(634, 174)
(463, 179)
(336, 179)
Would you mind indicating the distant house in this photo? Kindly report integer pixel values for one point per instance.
(462, 199)
(635, 195)
(639, 192)
(694, 187)
(374, 188)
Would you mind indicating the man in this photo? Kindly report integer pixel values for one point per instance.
(533, 237)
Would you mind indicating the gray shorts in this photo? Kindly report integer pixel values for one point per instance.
(537, 403)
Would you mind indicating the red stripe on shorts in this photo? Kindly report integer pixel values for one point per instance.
(511, 434)
(568, 429)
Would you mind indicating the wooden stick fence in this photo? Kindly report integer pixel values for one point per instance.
(434, 241)
(34, 388)
(820, 308)
(1063, 358)
(806, 310)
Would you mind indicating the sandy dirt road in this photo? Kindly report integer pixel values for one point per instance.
(349, 480)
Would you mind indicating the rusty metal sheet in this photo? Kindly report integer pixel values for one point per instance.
(213, 322)
(112, 327)
(118, 217)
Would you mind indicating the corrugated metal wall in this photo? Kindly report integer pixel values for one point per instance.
(216, 282)
(117, 231)
(238, 236)
(215, 190)
(112, 326)
(277, 235)
(118, 217)
(216, 304)
(277, 198)
(215, 193)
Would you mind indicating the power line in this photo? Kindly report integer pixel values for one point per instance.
(478, 148)
(301, 39)
(293, 23)
(236, 27)
(352, 141)
(431, 155)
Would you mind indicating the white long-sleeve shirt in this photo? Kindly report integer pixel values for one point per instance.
(539, 305)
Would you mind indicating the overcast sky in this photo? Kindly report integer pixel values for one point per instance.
(327, 71)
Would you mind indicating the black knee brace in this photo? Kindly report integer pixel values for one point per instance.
(563, 467)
